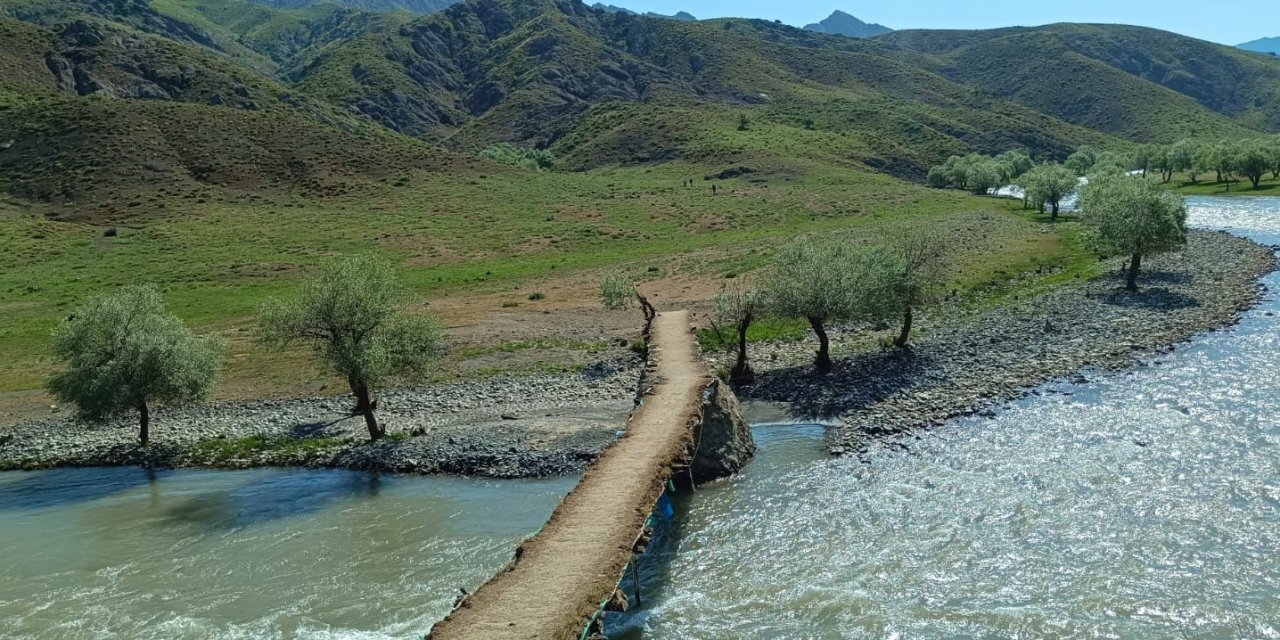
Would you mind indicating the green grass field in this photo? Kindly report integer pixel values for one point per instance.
(1237, 187)
(493, 239)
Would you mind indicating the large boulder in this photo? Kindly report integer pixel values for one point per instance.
(723, 438)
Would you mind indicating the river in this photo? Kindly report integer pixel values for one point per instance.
(269, 553)
(1141, 505)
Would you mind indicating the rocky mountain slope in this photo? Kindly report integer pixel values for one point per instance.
(598, 87)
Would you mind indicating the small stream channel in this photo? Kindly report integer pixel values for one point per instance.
(1142, 505)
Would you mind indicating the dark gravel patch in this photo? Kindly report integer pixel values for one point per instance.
(500, 427)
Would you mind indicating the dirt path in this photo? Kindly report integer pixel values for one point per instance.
(560, 577)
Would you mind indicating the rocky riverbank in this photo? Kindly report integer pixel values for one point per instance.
(498, 427)
(556, 424)
(972, 365)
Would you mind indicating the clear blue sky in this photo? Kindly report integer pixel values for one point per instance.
(1225, 21)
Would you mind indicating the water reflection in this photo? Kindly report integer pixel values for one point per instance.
(252, 554)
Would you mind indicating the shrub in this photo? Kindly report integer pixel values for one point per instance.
(526, 158)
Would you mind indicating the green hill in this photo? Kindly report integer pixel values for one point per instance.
(410, 6)
(220, 147)
(1139, 83)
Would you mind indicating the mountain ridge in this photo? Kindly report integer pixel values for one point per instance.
(601, 88)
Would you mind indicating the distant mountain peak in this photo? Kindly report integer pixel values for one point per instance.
(843, 24)
(1262, 45)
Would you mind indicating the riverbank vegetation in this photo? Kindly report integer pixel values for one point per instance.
(122, 353)
(1133, 217)
(353, 314)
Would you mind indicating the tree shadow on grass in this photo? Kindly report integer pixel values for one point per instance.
(1165, 277)
(856, 383)
(1151, 298)
(316, 430)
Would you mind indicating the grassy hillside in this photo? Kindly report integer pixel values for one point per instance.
(222, 148)
(478, 243)
(108, 159)
(1138, 83)
(411, 6)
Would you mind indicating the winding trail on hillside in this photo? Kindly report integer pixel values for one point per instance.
(560, 576)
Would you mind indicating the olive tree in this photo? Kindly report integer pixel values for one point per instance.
(922, 259)
(1082, 160)
(1143, 158)
(1050, 184)
(617, 292)
(124, 352)
(826, 281)
(739, 304)
(1017, 162)
(354, 313)
(1182, 157)
(1133, 217)
(1272, 145)
(1218, 158)
(1252, 159)
(1164, 161)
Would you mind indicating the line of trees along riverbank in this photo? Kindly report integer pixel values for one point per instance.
(1228, 161)
(824, 281)
(123, 352)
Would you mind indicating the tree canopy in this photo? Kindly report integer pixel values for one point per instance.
(124, 351)
(978, 173)
(922, 255)
(1082, 160)
(740, 304)
(828, 280)
(1133, 217)
(1050, 184)
(354, 314)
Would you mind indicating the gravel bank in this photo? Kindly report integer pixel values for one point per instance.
(556, 424)
(969, 367)
(499, 427)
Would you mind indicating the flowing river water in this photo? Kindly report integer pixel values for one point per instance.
(1141, 505)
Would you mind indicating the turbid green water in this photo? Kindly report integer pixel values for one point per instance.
(1141, 506)
(123, 553)
(1144, 505)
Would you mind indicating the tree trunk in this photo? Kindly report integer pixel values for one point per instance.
(144, 423)
(742, 373)
(364, 406)
(1131, 278)
(1255, 180)
(647, 308)
(906, 329)
(823, 360)
(1054, 216)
